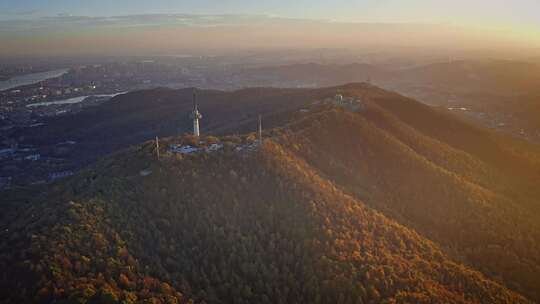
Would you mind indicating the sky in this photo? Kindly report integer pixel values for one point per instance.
(117, 26)
(523, 13)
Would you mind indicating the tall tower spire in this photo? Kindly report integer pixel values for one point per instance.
(195, 115)
(260, 129)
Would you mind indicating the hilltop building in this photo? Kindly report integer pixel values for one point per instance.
(349, 103)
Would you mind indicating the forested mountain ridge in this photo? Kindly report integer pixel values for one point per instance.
(268, 230)
(472, 191)
(384, 205)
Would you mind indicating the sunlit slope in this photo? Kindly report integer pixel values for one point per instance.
(228, 227)
(447, 184)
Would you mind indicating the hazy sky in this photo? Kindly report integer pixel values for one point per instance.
(121, 26)
(477, 12)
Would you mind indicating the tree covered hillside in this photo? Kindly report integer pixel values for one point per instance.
(227, 227)
(464, 188)
(394, 202)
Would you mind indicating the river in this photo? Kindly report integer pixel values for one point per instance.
(27, 79)
(70, 100)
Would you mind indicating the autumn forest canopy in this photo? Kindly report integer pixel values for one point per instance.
(384, 201)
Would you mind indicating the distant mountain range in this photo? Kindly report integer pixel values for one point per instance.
(508, 91)
(397, 202)
(492, 75)
(318, 75)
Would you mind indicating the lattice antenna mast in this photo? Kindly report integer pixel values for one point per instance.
(260, 129)
(157, 147)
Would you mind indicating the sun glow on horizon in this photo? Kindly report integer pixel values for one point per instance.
(122, 26)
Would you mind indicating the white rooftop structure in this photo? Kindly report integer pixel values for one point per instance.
(214, 147)
(184, 149)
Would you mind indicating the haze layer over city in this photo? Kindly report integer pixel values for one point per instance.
(349, 151)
